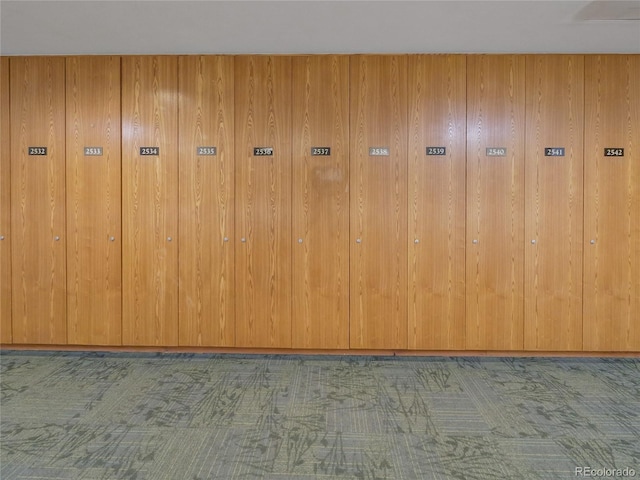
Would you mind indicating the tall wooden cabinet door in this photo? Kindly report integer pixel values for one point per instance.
(263, 201)
(5, 205)
(150, 200)
(94, 276)
(320, 202)
(206, 201)
(612, 203)
(553, 202)
(495, 202)
(38, 200)
(378, 156)
(437, 147)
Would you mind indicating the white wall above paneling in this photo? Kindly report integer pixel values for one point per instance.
(54, 27)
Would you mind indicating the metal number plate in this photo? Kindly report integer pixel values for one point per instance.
(263, 151)
(496, 152)
(207, 151)
(93, 151)
(554, 152)
(436, 150)
(37, 150)
(614, 152)
(378, 151)
(149, 150)
(320, 151)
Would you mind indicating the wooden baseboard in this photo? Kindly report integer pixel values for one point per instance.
(297, 351)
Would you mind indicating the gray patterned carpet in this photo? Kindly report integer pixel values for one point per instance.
(177, 416)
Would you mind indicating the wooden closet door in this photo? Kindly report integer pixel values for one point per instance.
(94, 241)
(38, 200)
(436, 240)
(150, 200)
(320, 202)
(5, 205)
(553, 202)
(263, 201)
(378, 156)
(495, 202)
(612, 203)
(206, 201)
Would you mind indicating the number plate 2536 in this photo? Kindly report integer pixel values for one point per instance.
(263, 151)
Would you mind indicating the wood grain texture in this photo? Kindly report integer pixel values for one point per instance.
(38, 200)
(263, 201)
(6, 335)
(150, 200)
(206, 201)
(320, 202)
(378, 275)
(554, 203)
(612, 204)
(436, 234)
(94, 240)
(495, 206)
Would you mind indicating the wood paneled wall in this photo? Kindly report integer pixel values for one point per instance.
(399, 202)
(436, 239)
(207, 308)
(263, 201)
(320, 202)
(94, 240)
(150, 200)
(611, 312)
(38, 227)
(378, 202)
(6, 335)
(553, 203)
(495, 202)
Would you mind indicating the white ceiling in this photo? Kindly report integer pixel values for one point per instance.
(54, 27)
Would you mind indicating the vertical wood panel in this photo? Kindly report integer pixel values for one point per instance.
(437, 118)
(5, 205)
(495, 207)
(263, 201)
(94, 276)
(38, 200)
(320, 202)
(612, 204)
(378, 280)
(150, 200)
(553, 203)
(206, 201)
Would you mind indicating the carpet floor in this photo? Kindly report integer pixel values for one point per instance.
(143, 416)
